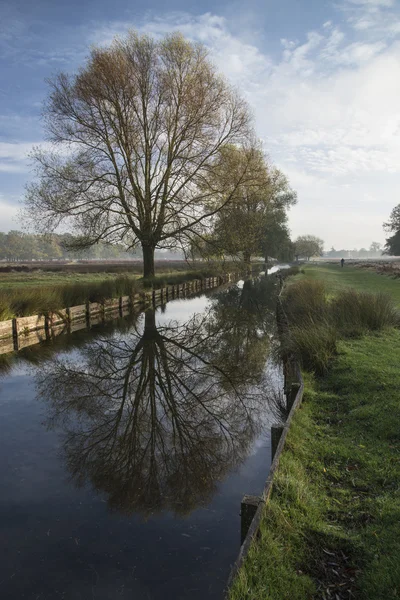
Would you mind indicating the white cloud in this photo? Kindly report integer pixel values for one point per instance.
(8, 214)
(373, 3)
(327, 109)
(14, 157)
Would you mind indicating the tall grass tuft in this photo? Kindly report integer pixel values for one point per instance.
(354, 313)
(44, 299)
(305, 301)
(313, 344)
(316, 323)
(5, 309)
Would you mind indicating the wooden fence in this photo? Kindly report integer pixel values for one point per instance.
(20, 332)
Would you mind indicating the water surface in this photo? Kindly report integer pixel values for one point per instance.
(125, 451)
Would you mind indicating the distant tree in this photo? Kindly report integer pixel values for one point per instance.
(307, 246)
(257, 210)
(392, 246)
(15, 245)
(137, 135)
(276, 242)
(375, 248)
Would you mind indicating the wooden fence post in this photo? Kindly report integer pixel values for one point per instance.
(291, 396)
(47, 326)
(87, 313)
(15, 335)
(276, 432)
(248, 509)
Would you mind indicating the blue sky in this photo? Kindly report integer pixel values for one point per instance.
(322, 78)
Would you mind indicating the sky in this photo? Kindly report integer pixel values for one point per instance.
(322, 79)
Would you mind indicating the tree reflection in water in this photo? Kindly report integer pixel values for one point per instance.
(156, 418)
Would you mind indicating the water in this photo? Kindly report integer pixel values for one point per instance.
(125, 451)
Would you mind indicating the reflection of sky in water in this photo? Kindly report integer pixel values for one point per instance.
(63, 541)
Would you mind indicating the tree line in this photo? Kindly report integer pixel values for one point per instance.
(374, 251)
(20, 246)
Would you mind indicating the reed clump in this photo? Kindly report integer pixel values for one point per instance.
(45, 299)
(306, 300)
(355, 313)
(317, 322)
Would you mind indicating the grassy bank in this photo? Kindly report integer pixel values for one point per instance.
(36, 292)
(332, 527)
(335, 279)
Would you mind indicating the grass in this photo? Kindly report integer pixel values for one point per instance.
(335, 279)
(334, 513)
(39, 300)
(36, 292)
(332, 526)
(319, 318)
(56, 274)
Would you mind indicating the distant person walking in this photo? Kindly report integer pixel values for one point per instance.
(342, 262)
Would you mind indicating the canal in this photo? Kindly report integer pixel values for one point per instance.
(125, 450)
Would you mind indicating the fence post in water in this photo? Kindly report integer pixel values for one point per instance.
(120, 306)
(15, 334)
(291, 396)
(248, 509)
(276, 432)
(68, 313)
(87, 313)
(47, 326)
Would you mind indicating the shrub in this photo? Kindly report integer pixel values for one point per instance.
(290, 272)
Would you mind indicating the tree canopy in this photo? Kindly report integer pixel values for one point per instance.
(137, 139)
(307, 246)
(392, 246)
(253, 222)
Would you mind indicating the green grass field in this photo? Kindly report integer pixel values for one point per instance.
(332, 526)
(336, 278)
(55, 275)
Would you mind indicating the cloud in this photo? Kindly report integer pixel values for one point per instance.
(372, 3)
(8, 215)
(326, 106)
(14, 156)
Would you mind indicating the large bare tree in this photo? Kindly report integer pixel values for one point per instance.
(136, 137)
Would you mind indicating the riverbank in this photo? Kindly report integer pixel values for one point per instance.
(332, 526)
(37, 292)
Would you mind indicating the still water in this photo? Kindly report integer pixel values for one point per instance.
(125, 451)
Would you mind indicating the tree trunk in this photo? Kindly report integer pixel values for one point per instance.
(148, 260)
(247, 259)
